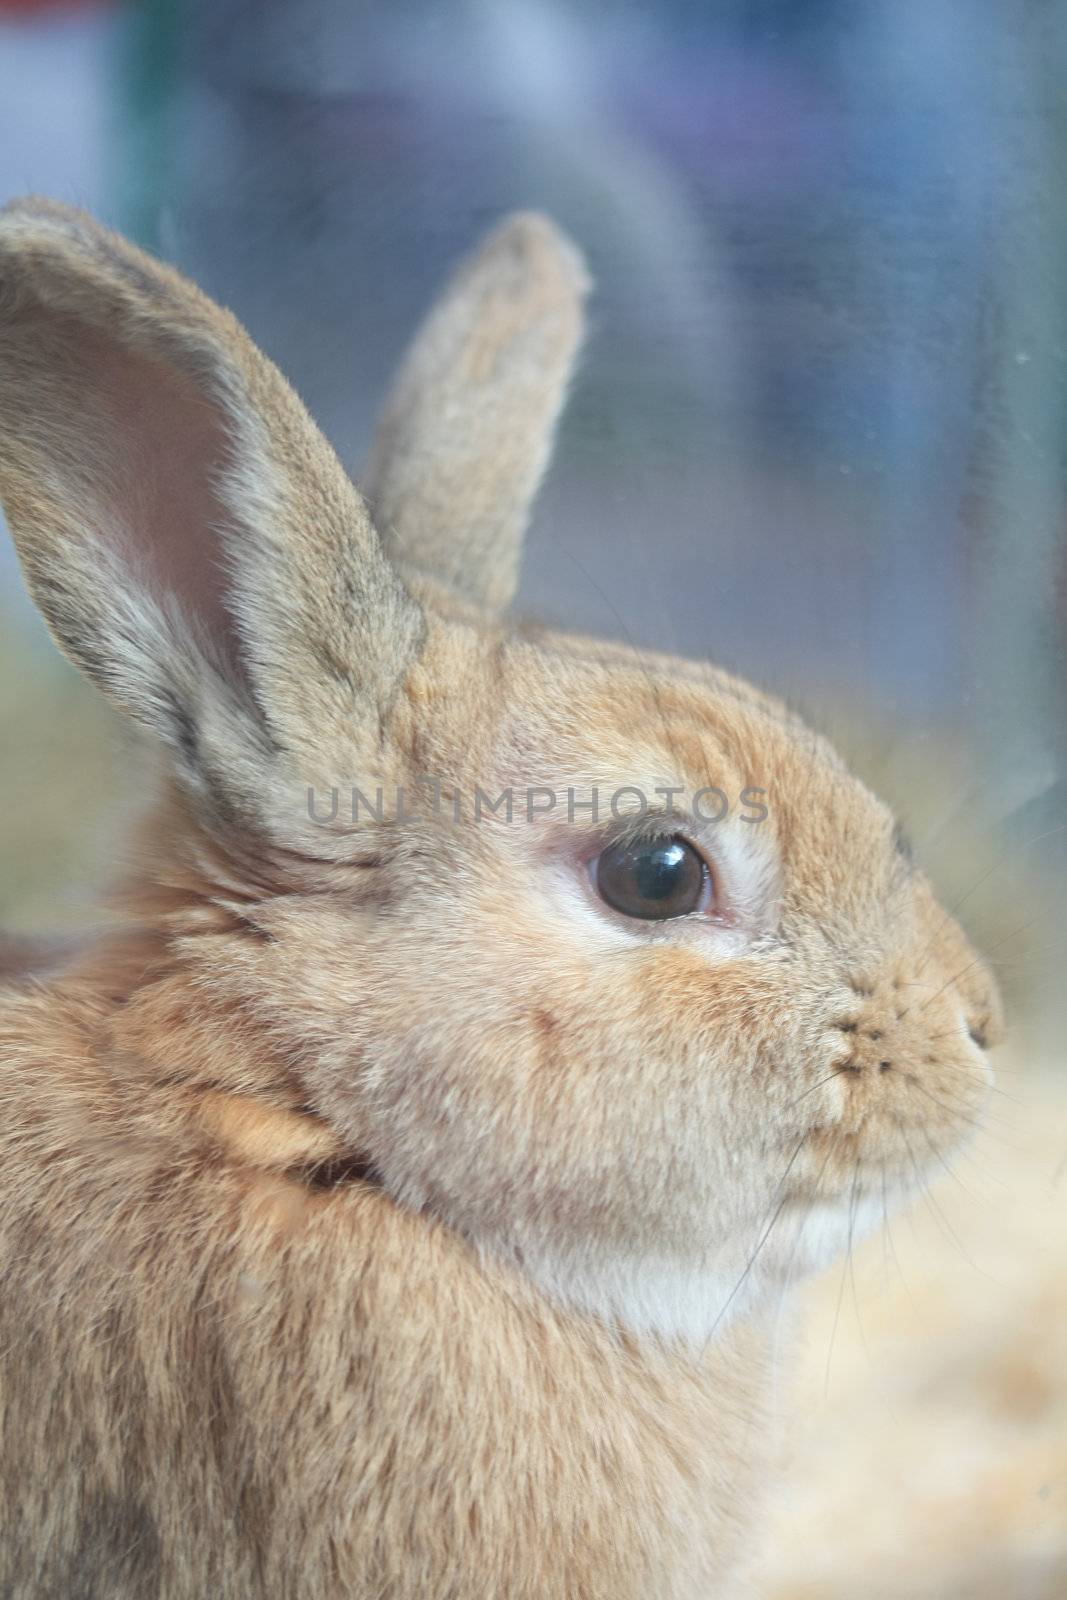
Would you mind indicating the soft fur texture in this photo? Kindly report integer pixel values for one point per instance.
(382, 1215)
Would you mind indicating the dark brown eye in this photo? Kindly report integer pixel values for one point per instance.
(653, 879)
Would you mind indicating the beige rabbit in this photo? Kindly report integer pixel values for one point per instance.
(401, 1205)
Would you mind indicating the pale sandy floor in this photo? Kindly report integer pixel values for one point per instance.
(929, 1447)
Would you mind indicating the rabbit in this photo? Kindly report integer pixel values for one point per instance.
(402, 1199)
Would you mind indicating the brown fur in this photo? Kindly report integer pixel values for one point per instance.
(380, 1216)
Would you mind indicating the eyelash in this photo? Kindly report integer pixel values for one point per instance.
(651, 830)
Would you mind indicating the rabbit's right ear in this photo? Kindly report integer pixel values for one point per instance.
(466, 432)
(186, 531)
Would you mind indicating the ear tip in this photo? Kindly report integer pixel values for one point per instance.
(32, 226)
(38, 205)
(53, 255)
(541, 247)
(39, 208)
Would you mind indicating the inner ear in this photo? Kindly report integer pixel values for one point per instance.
(147, 453)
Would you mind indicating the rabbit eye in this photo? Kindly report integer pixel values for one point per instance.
(654, 879)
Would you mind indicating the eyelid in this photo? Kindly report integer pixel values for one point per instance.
(651, 827)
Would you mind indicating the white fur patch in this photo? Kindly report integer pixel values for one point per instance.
(689, 1303)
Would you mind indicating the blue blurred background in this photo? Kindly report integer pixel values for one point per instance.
(819, 436)
(819, 431)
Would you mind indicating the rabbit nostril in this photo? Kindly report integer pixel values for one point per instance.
(978, 1037)
(884, 1066)
(846, 1027)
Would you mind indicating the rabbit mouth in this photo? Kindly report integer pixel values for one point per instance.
(852, 1171)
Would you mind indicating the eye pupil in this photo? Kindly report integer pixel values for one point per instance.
(653, 879)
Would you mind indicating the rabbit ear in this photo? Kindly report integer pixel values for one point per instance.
(185, 529)
(467, 430)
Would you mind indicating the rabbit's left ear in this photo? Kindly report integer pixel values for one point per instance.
(467, 430)
(185, 529)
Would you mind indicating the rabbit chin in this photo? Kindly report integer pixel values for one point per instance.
(694, 1301)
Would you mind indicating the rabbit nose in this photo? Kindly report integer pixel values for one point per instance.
(868, 1049)
(894, 1026)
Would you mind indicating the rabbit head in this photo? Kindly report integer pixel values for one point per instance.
(599, 957)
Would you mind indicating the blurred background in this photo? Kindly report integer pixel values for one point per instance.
(819, 436)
